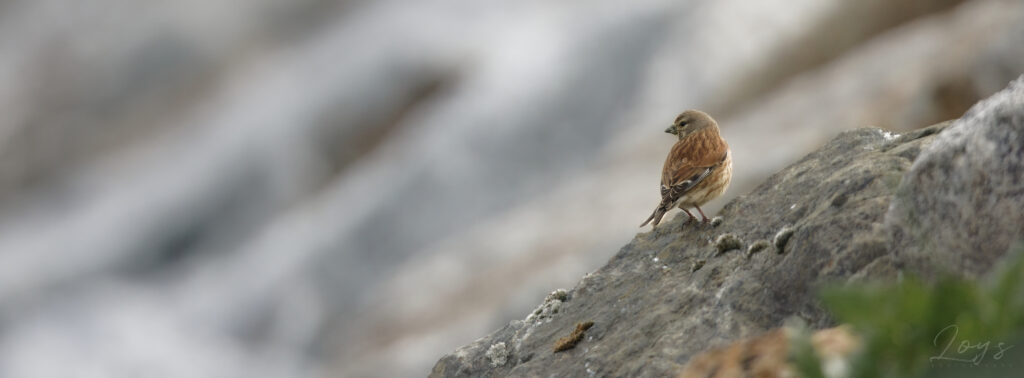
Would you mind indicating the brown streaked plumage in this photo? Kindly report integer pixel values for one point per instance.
(697, 169)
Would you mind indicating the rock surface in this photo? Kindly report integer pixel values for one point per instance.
(970, 185)
(670, 293)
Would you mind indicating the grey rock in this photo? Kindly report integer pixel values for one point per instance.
(943, 198)
(649, 320)
(961, 205)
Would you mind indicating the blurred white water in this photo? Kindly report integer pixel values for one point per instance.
(356, 188)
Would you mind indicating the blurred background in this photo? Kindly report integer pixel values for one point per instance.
(256, 188)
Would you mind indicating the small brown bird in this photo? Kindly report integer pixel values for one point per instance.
(698, 168)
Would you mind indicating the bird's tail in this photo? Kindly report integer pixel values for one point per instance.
(656, 216)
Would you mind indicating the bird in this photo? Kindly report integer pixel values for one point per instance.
(698, 168)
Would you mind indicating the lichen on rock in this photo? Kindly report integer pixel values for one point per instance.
(552, 303)
(781, 238)
(727, 242)
(497, 354)
(757, 246)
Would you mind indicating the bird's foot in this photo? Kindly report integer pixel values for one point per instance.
(691, 219)
(704, 218)
(705, 223)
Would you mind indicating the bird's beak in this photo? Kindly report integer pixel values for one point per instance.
(671, 130)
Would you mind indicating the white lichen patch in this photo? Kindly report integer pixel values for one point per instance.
(758, 246)
(542, 314)
(781, 238)
(727, 242)
(497, 354)
(552, 303)
(559, 294)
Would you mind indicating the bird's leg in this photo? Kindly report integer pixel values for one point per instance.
(704, 217)
(692, 218)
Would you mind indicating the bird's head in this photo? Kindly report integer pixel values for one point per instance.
(690, 121)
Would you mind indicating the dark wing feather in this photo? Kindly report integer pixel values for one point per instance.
(669, 194)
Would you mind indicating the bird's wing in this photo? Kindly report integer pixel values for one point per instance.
(690, 161)
(670, 194)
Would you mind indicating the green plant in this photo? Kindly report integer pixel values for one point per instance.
(952, 327)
